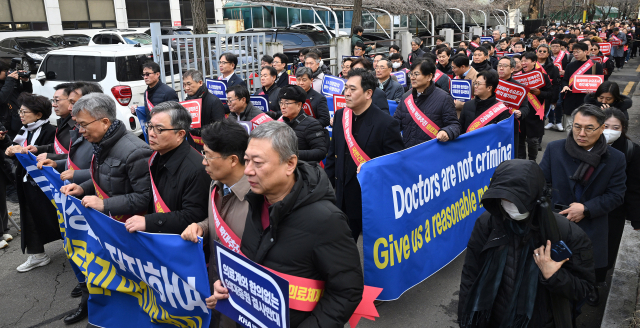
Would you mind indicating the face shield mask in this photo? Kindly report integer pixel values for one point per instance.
(512, 210)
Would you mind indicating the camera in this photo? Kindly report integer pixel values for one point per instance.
(14, 64)
(20, 73)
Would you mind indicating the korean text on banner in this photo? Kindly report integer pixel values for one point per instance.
(194, 106)
(510, 93)
(149, 280)
(586, 83)
(461, 89)
(486, 39)
(416, 218)
(257, 297)
(605, 48)
(401, 76)
(217, 88)
(332, 85)
(261, 102)
(533, 79)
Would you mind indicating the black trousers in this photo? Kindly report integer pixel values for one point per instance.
(616, 228)
(619, 61)
(4, 215)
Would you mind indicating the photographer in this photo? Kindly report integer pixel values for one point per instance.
(11, 85)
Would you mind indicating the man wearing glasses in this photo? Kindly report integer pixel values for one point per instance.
(240, 105)
(179, 183)
(391, 88)
(280, 64)
(157, 92)
(587, 178)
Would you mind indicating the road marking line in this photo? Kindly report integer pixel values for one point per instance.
(627, 89)
(638, 69)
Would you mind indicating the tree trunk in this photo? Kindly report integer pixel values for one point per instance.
(357, 14)
(534, 9)
(199, 16)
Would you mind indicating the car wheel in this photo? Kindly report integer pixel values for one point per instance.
(26, 66)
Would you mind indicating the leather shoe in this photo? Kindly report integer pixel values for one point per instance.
(77, 291)
(81, 313)
(593, 299)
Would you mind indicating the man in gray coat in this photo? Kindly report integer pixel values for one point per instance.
(119, 184)
(618, 51)
(391, 87)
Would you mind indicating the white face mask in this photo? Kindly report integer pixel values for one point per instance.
(552, 33)
(512, 211)
(396, 65)
(611, 135)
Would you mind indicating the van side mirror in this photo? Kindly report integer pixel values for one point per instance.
(41, 77)
(51, 75)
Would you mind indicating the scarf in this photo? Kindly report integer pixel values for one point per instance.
(315, 74)
(97, 147)
(484, 66)
(589, 160)
(24, 132)
(484, 290)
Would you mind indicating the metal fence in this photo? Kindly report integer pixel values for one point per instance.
(202, 51)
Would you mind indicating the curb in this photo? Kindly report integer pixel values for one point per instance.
(622, 303)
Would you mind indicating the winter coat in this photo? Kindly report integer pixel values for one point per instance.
(312, 145)
(437, 105)
(380, 99)
(81, 151)
(212, 109)
(623, 105)
(392, 89)
(308, 237)
(414, 55)
(445, 69)
(631, 207)
(572, 100)
(10, 90)
(481, 67)
(274, 101)
(248, 114)
(64, 126)
(157, 95)
(234, 79)
(603, 193)
(475, 107)
(355, 39)
(282, 80)
(572, 281)
(618, 51)
(533, 124)
(554, 77)
(122, 172)
(319, 107)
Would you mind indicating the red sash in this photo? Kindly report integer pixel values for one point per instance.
(558, 60)
(533, 100)
(586, 66)
(57, 146)
(427, 126)
(304, 293)
(437, 75)
(357, 154)
(474, 44)
(149, 104)
(70, 165)
(158, 203)
(487, 116)
(262, 118)
(103, 195)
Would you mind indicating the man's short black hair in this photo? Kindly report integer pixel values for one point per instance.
(394, 46)
(240, 92)
(357, 29)
(153, 66)
(360, 45)
(267, 59)
(368, 81)
(519, 43)
(396, 56)
(491, 79)
(4, 65)
(531, 55)
(230, 58)
(439, 37)
(87, 87)
(272, 71)
(366, 63)
(66, 88)
(463, 42)
(303, 52)
(283, 58)
(226, 138)
(483, 49)
(426, 66)
(475, 37)
(590, 110)
(460, 60)
(488, 45)
(581, 45)
(444, 49)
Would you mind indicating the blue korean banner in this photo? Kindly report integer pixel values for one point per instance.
(417, 218)
(257, 297)
(401, 76)
(332, 85)
(261, 102)
(460, 89)
(148, 280)
(486, 39)
(217, 87)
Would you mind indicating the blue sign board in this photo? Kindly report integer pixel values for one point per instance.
(486, 38)
(402, 77)
(461, 89)
(332, 85)
(257, 297)
(261, 102)
(217, 88)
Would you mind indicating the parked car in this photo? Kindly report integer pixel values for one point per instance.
(120, 36)
(30, 49)
(174, 31)
(292, 40)
(70, 40)
(117, 68)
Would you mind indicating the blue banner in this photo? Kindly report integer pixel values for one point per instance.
(418, 217)
(257, 297)
(135, 279)
(217, 87)
(332, 85)
(261, 102)
(486, 38)
(401, 76)
(461, 89)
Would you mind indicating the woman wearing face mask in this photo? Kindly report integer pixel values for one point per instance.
(615, 133)
(608, 95)
(508, 278)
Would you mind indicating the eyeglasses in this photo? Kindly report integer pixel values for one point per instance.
(414, 74)
(504, 65)
(284, 103)
(24, 112)
(542, 52)
(277, 62)
(84, 126)
(587, 130)
(55, 101)
(209, 158)
(381, 67)
(223, 62)
(157, 130)
(230, 100)
(475, 84)
(147, 74)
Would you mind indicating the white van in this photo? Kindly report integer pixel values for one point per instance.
(117, 68)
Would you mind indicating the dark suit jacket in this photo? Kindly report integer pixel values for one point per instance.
(236, 80)
(602, 194)
(379, 135)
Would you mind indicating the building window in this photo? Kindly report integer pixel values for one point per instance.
(85, 14)
(186, 15)
(141, 13)
(22, 15)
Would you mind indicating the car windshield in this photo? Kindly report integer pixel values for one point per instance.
(319, 37)
(35, 43)
(77, 39)
(134, 38)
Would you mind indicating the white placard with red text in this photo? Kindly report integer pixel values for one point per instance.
(605, 48)
(586, 83)
(194, 106)
(533, 79)
(511, 94)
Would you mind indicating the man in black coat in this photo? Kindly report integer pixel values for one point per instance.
(485, 98)
(432, 102)
(374, 132)
(180, 185)
(510, 246)
(280, 64)
(392, 89)
(228, 63)
(588, 178)
(294, 227)
(269, 88)
(157, 92)
(62, 106)
(11, 86)
(481, 61)
(212, 109)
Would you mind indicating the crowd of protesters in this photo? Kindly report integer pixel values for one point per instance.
(291, 194)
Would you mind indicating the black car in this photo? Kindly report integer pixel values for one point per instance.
(70, 40)
(174, 31)
(294, 39)
(30, 49)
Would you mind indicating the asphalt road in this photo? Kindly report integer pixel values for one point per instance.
(40, 298)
